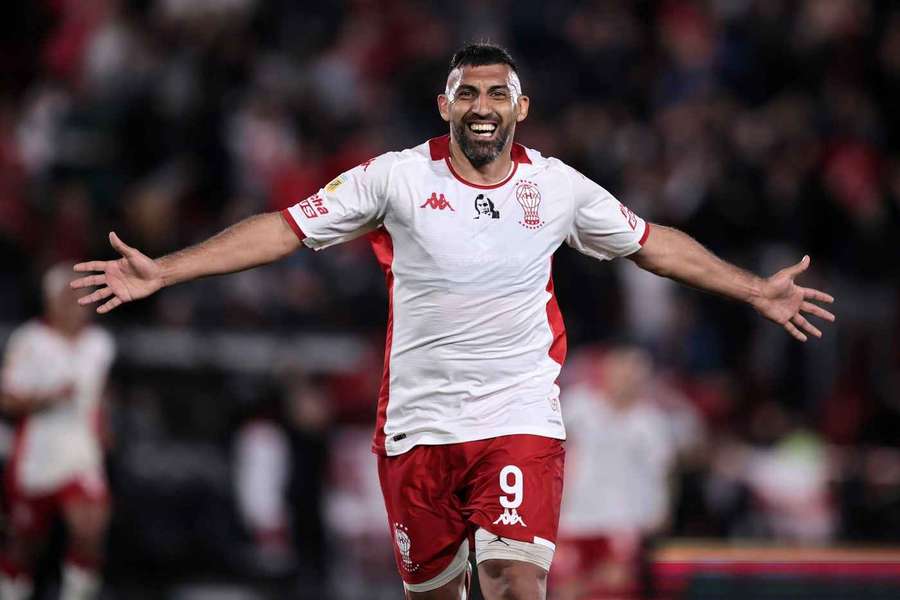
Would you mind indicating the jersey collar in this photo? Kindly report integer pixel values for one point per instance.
(440, 150)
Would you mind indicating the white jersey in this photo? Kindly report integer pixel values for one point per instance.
(617, 466)
(475, 339)
(57, 444)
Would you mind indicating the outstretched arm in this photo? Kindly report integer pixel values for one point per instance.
(671, 253)
(255, 241)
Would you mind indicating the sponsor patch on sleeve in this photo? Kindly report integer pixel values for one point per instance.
(334, 184)
(313, 206)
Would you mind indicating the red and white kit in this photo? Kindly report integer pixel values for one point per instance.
(57, 454)
(475, 338)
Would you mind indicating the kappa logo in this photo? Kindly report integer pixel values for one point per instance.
(437, 202)
(510, 517)
(512, 483)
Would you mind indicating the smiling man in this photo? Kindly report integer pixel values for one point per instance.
(468, 430)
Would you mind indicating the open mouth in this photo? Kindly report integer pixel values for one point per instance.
(482, 129)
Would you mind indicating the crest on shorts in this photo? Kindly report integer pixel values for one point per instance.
(529, 197)
(404, 543)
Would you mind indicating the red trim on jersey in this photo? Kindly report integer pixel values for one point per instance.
(383, 247)
(289, 219)
(440, 150)
(478, 185)
(646, 233)
(557, 327)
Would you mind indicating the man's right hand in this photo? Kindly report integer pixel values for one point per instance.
(131, 277)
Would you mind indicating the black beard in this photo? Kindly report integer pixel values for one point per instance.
(480, 152)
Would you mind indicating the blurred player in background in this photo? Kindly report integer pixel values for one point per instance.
(468, 429)
(54, 374)
(620, 452)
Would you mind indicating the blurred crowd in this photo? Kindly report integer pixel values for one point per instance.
(767, 129)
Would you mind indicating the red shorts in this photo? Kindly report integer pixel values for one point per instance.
(32, 514)
(437, 496)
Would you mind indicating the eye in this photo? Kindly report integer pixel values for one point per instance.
(464, 94)
(499, 94)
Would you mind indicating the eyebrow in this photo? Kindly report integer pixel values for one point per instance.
(469, 86)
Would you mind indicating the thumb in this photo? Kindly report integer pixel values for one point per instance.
(120, 246)
(801, 266)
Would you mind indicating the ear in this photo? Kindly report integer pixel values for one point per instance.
(521, 108)
(443, 103)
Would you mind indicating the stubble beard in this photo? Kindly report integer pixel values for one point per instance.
(477, 151)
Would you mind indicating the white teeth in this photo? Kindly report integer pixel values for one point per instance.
(482, 127)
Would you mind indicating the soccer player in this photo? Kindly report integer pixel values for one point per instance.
(468, 428)
(620, 450)
(54, 373)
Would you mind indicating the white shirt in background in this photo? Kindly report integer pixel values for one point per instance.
(55, 445)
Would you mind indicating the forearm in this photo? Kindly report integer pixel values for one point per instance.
(255, 241)
(19, 405)
(673, 254)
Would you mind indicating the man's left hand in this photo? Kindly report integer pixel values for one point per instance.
(784, 302)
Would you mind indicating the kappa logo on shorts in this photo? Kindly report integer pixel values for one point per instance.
(512, 484)
(510, 517)
(404, 543)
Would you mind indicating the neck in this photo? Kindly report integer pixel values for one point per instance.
(487, 174)
(66, 330)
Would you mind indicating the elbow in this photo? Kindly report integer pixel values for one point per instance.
(289, 238)
(659, 253)
(287, 245)
(653, 262)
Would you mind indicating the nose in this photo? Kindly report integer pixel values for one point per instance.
(480, 106)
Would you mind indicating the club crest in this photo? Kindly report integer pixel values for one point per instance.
(529, 197)
(404, 544)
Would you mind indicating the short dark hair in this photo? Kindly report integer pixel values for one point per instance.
(482, 53)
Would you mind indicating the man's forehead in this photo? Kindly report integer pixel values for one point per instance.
(481, 74)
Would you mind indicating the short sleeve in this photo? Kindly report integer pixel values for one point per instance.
(105, 349)
(17, 373)
(351, 205)
(602, 227)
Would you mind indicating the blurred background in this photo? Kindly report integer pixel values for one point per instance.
(240, 408)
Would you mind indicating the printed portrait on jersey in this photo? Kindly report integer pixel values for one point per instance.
(484, 208)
